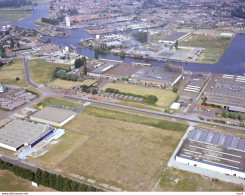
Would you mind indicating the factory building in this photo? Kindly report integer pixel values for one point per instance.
(20, 133)
(2, 88)
(213, 151)
(54, 116)
(177, 36)
(227, 91)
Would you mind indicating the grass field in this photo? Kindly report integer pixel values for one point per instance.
(134, 118)
(8, 73)
(191, 182)
(11, 183)
(58, 102)
(165, 98)
(69, 84)
(118, 153)
(12, 14)
(88, 82)
(214, 46)
(42, 71)
(59, 151)
(64, 84)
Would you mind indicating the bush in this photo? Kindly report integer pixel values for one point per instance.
(94, 91)
(175, 89)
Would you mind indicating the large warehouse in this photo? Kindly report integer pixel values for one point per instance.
(21, 133)
(227, 91)
(54, 116)
(213, 151)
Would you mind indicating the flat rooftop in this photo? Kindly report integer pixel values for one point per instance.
(227, 90)
(123, 69)
(156, 74)
(19, 132)
(175, 36)
(53, 114)
(104, 66)
(214, 148)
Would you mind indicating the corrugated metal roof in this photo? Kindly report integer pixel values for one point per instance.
(234, 143)
(197, 135)
(216, 139)
(203, 136)
(228, 141)
(209, 137)
(222, 139)
(192, 133)
(241, 144)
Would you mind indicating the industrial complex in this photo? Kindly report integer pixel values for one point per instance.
(20, 133)
(213, 151)
(53, 116)
(138, 73)
(227, 91)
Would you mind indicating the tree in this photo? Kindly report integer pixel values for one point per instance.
(45, 178)
(12, 44)
(85, 70)
(96, 54)
(152, 98)
(17, 78)
(38, 176)
(94, 91)
(225, 114)
(52, 180)
(91, 189)
(74, 186)
(175, 89)
(67, 185)
(88, 90)
(59, 183)
(78, 63)
(82, 187)
(176, 44)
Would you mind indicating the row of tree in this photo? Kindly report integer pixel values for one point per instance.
(81, 62)
(140, 36)
(47, 179)
(62, 74)
(233, 115)
(149, 99)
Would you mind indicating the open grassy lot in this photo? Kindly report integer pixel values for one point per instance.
(42, 71)
(8, 73)
(128, 117)
(58, 102)
(12, 14)
(141, 106)
(69, 84)
(61, 150)
(119, 153)
(191, 182)
(89, 82)
(165, 97)
(11, 183)
(214, 46)
(64, 84)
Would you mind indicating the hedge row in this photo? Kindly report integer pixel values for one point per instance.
(47, 179)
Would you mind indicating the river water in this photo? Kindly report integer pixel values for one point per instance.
(232, 62)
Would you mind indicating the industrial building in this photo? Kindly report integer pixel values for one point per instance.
(138, 73)
(20, 133)
(177, 36)
(227, 91)
(158, 76)
(53, 116)
(213, 151)
(2, 88)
